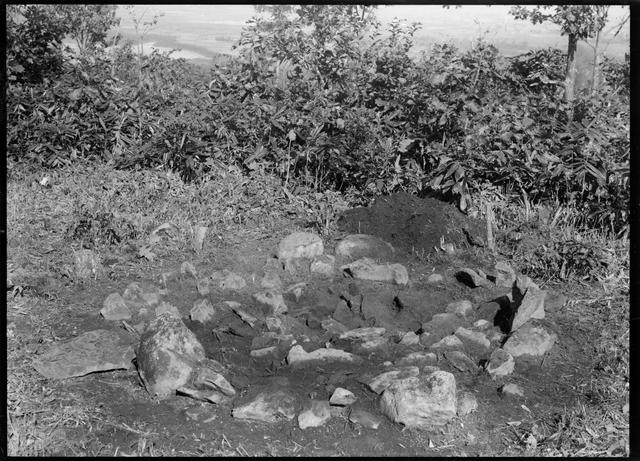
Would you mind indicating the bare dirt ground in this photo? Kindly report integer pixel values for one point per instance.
(573, 397)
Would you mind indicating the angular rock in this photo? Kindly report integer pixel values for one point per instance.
(421, 402)
(167, 355)
(474, 341)
(488, 311)
(501, 363)
(269, 406)
(334, 327)
(245, 316)
(87, 264)
(285, 325)
(342, 396)
(511, 390)
(409, 339)
(505, 275)
(228, 280)
(298, 356)
(379, 383)
(531, 306)
(471, 278)
(482, 324)
(419, 358)
(202, 311)
(524, 282)
(451, 342)
(115, 308)
(345, 316)
(316, 413)
(300, 245)
(358, 246)
(461, 361)
(462, 308)
(323, 265)
(166, 308)
(271, 280)
(97, 350)
(367, 269)
(273, 299)
(363, 334)
(467, 403)
(529, 340)
(206, 377)
(435, 278)
(442, 325)
(364, 418)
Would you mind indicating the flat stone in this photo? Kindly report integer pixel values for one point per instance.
(531, 306)
(364, 418)
(529, 340)
(316, 413)
(501, 363)
(323, 265)
(474, 341)
(421, 402)
(461, 361)
(505, 275)
(342, 396)
(450, 342)
(367, 269)
(358, 246)
(115, 308)
(97, 350)
(471, 278)
(269, 406)
(379, 383)
(202, 311)
(419, 358)
(298, 356)
(462, 308)
(435, 278)
(512, 390)
(273, 299)
(467, 403)
(300, 245)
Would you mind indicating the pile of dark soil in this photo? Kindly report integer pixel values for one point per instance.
(412, 223)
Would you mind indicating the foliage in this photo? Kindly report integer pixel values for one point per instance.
(88, 25)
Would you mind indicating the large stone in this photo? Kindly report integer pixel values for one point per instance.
(269, 406)
(323, 265)
(418, 358)
(367, 269)
(342, 396)
(531, 306)
(500, 363)
(379, 383)
(167, 354)
(474, 341)
(298, 356)
(273, 299)
(505, 275)
(202, 311)
(451, 342)
(115, 308)
(529, 340)
(358, 246)
(461, 361)
(167, 308)
(97, 350)
(409, 339)
(316, 413)
(442, 325)
(421, 402)
(300, 245)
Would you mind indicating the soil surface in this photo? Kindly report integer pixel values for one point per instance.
(180, 425)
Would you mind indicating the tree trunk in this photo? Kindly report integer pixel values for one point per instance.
(570, 77)
(595, 70)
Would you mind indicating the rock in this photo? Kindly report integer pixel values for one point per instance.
(342, 396)
(531, 306)
(298, 356)
(323, 265)
(264, 352)
(505, 275)
(206, 377)
(363, 334)
(87, 264)
(367, 269)
(166, 308)
(271, 280)
(461, 361)
(421, 402)
(442, 325)
(471, 278)
(202, 311)
(488, 311)
(419, 358)
(482, 324)
(210, 396)
(450, 342)
(474, 341)
(296, 289)
(285, 324)
(364, 418)
(409, 339)
(435, 278)
(342, 314)
(523, 283)
(204, 286)
(460, 308)
(334, 327)
(428, 369)
(501, 363)
(188, 268)
(269, 406)
(228, 280)
(358, 246)
(273, 299)
(379, 383)
(300, 245)
(115, 308)
(529, 340)
(554, 301)
(97, 350)
(511, 390)
(496, 339)
(245, 316)
(467, 403)
(316, 413)
(167, 354)
(142, 294)
(427, 339)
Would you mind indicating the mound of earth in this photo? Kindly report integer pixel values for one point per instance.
(412, 223)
